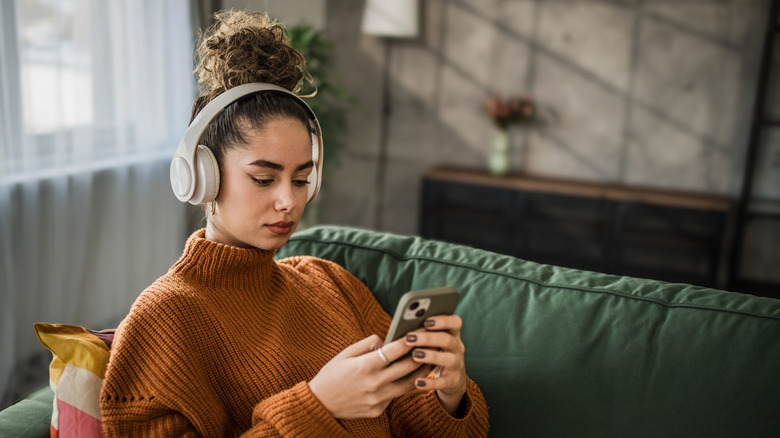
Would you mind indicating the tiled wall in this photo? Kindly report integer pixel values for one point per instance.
(652, 93)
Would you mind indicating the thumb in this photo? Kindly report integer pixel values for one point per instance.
(362, 346)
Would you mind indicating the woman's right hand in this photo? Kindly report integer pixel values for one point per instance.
(356, 383)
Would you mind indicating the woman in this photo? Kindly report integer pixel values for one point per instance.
(232, 342)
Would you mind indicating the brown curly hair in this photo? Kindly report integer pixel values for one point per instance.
(243, 47)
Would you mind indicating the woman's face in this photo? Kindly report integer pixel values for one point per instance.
(263, 188)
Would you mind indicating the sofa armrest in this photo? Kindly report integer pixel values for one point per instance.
(30, 417)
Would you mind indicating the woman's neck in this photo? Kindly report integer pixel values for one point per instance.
(216, 233)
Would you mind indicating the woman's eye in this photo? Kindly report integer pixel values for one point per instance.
(263, 182)
(301, 182)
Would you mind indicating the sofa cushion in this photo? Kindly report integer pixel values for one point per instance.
(77, 370)
(562, 352)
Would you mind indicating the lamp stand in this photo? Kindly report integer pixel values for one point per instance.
(383, 136)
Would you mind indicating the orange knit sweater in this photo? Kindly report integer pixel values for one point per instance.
(225, 343)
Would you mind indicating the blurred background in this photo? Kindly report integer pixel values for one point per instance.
(636, 137)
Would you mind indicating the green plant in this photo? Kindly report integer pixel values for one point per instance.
(331, 99)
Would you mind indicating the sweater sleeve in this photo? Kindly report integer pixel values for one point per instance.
(152, 374)
(295, 412)
(419, 412)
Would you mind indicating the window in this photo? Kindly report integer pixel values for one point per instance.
(87, 84)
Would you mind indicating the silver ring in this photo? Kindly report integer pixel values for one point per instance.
(382, 356)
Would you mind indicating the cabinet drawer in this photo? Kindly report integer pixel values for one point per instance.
(669, 227)
(563, 249)
(573, 228)
(544, 209)
(467, 215)
(669, 244)
(462, 197)
(490, 237)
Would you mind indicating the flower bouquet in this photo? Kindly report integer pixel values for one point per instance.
(505, 113)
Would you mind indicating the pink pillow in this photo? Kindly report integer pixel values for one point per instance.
(76, 375)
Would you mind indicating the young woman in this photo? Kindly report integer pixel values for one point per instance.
(232, 342)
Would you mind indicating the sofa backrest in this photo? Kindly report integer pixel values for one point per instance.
(561, 352)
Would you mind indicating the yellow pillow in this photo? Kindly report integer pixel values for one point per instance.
(76, 375)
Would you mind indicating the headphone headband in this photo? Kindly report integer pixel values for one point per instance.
(184, 176)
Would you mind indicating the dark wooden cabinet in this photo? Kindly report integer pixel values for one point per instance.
(647, 233)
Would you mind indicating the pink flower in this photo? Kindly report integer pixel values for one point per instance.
(513, 110)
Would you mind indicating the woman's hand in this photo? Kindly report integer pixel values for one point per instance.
(439, 344)
(357, 383)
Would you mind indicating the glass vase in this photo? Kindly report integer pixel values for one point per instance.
(498, 162)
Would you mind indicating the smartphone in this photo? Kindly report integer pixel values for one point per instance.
(417, 305)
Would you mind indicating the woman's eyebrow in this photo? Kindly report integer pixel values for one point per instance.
(268, 164)
(305, 166)
(276, 166)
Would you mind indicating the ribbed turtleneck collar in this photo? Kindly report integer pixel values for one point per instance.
(212, 262)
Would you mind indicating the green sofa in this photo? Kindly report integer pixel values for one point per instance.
(565, 353)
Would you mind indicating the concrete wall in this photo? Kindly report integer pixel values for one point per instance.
(290, 12)
(655, 93)
(652, 93)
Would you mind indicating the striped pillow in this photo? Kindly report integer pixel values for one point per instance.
(76, 374)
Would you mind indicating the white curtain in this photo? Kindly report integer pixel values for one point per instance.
(94, 96)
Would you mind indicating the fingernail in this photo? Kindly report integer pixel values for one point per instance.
(411, 338)
(419, 354)
(430, 323)
(420, 383)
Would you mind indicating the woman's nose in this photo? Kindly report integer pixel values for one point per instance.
(284, 198)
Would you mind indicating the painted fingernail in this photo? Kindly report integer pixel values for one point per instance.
(421, 383)
(411, 338)
(430, 323)
(419, 354)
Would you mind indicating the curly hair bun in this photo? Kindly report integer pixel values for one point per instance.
(243, 47)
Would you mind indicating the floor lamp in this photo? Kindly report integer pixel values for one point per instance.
(388, 19)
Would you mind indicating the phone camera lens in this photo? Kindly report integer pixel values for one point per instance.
(420, 313)
(414, 305)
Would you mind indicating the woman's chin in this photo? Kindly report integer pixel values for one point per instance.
(272, 243)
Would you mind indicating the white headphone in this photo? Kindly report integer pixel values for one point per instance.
(194, 170)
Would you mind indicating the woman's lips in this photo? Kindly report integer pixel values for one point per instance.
(281, 228)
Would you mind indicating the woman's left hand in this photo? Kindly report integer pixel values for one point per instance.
(439, 344)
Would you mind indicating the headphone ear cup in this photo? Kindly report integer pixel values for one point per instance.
(181, 178)
(207, 176)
